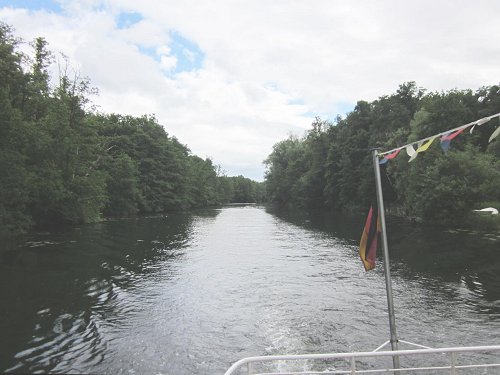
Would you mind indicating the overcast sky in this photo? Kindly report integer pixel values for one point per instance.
(231, 78)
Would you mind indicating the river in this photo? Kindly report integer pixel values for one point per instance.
(190, 293)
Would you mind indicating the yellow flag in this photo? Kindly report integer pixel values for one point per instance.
(426, 145)
(421, 148)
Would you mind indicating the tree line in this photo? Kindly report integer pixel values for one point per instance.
(62, 162)
(331, 165)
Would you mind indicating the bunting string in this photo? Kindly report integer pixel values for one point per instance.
(446, 137)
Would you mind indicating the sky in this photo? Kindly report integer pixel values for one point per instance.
(231, 78)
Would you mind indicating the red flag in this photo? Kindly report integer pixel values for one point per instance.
(388, 157)
(447, 138)
(369, 239)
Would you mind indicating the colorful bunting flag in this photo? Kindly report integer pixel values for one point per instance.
(410, 150)
(421, 148)
(392, 155)
(483, 120)
(445, 144)
(413, 157)
(494, 135)
(369, 239)
(479, 123)
(426, 145)
(447, 138)
(388, 157)
(413, 149)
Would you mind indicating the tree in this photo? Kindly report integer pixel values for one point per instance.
(62, 163)
(14, 191)
(202, 180)
(285, 166)
(448, 189)
(332, 164)
(122, 188)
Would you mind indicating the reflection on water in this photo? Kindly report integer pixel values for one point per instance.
(191, 293)
(60, 290)
(429, 257)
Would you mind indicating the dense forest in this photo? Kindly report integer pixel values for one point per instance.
(331, 165)
(63, 162)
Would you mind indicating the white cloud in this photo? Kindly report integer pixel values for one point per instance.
(168, 62)
(261, 58)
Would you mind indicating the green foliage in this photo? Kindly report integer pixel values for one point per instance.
(14, 184)
(202, 181)
(62, 164)
(286, 165)
(452, 185)
(122, 186)
(246, 190)
(331, 165)
(225, 189)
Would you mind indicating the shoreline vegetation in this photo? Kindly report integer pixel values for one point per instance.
(64, 163)
(331, 167)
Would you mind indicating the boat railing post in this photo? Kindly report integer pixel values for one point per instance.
(385, 247)
(353, 366)
(453, 363)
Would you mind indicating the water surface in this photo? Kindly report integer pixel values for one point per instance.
(191, 293)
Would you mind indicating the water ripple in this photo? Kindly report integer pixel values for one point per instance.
(61, 343)
(198, 292)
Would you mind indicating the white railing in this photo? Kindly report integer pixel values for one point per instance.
(449, 358)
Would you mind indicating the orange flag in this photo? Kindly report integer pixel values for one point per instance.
(369, 239)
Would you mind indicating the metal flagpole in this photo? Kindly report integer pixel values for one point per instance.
(388, 285)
